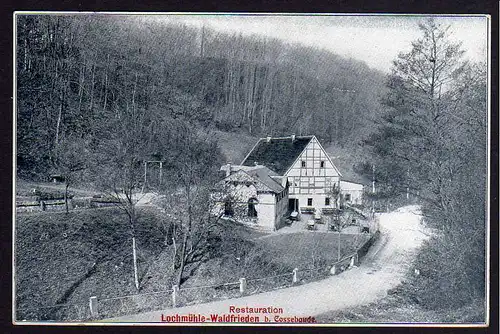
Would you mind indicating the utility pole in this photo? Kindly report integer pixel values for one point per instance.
(408, 185)
(373, 178)
(373, 189)
(202, 42)
(161, 171)
(145, 175)
(338, 246)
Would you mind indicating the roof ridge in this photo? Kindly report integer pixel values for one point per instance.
(249, 152)
(255, 178)
(261, 181)
(288, 137)
(276, 154)
(272, 178)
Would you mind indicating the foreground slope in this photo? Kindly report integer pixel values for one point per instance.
(383, 268)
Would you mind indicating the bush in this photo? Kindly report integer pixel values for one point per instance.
(51, 195)
(451, 274)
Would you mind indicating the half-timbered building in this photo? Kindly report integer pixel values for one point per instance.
(298, 164)
(306, 165)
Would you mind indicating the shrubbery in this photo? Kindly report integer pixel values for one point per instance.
(451, 273)
(51, 195)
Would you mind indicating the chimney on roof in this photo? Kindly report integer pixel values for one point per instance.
(268, 139)
(293, 138)
(228, 169)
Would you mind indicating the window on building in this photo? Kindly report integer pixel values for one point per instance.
(309, 202)
(252, 212)
(228, 208)
(302, 163)
(322, 164)
(347, 197)
(327, 201)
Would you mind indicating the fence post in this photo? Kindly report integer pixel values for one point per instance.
(333, 271)
(243, 285)
(94, 312)
(175, 292)
(351, 263)
(295, 278)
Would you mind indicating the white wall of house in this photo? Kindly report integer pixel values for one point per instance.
(266, 210)
(240, 193)
(312, 175)
(270, 206)
(352, 192)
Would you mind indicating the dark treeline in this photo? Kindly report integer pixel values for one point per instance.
(75, 74)
(431, 143)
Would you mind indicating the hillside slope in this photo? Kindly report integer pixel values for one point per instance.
(383, 268)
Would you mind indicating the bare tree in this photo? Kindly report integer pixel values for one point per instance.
(118, 165)
(193, 159)
(334, 192)
(434, 126)
(72, 160)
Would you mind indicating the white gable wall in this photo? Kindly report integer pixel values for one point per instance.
(312, 181)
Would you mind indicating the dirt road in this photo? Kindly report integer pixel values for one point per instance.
(382, 269)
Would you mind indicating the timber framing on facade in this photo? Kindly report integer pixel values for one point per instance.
(285, 174)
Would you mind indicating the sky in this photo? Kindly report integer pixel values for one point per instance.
(374, 39)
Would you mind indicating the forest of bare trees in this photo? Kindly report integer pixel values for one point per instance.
(75, 73)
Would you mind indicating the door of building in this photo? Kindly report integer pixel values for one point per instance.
(293, 204)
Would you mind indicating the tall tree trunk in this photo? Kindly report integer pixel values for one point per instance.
(25, 63)
(82, 85)
(133, 94)
(132, 220)
(182, 258)
(174, 262)
(185, 240)
(106, 85)
(92, 88)
(66, 193)
(59, 117)
(134, 255)
(202, 43)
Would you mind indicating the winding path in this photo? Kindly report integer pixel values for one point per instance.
(382, 269)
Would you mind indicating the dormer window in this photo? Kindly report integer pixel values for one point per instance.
(303, 164)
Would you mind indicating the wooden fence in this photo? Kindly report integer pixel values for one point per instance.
(40, 205)
(99, 308)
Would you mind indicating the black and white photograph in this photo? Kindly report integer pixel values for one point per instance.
(261, 169)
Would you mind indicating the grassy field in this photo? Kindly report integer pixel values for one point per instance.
(306, 250)
(66, 258)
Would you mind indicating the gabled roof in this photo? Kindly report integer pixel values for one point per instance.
(260, 176)
(263, 174)
(277, 154)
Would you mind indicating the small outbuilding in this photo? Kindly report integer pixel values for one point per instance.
(352, 192)
(253, 194)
